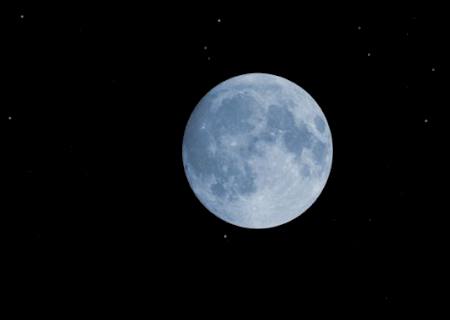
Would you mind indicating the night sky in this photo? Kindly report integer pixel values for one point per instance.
(94, 102)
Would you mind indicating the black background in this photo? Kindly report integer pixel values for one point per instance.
(94, 101)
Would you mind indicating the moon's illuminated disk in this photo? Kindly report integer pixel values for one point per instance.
(257, 150)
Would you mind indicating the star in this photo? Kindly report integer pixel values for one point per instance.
(369, 54)
(359, 28)
(9, 118)
(209, 58)
(426, 120)
(225, 236)
(219, 20)
(433, 69)
(205, 48)
(22, 16)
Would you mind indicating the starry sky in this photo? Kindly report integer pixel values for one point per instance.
(94, 104)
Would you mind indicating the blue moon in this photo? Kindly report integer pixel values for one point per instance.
(257, 151)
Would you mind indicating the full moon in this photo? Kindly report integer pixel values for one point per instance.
(257, 151)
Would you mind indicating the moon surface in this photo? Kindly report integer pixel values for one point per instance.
(257, 150)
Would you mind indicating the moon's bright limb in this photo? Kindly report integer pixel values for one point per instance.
(257, 150)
